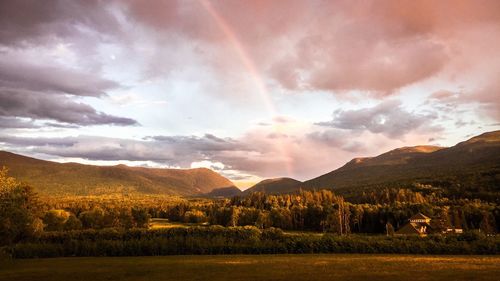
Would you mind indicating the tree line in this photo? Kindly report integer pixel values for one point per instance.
(26, 219)
(239, 240)
(320, 211)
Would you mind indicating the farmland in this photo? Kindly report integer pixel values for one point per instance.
(256, 267)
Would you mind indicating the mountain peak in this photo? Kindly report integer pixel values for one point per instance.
(275, 185)
(395, 156)
(417, 149)
(487, 137)
(418, 163)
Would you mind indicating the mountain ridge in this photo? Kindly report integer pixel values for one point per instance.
(274, 185)
(475, 161)
(49, 177)
(479, 153)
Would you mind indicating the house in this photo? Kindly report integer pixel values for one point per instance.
(419, 224)
(453, 231)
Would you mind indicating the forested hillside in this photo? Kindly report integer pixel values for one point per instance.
(275, 186)
(77, 179)
(468, 169)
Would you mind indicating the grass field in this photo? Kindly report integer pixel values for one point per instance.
(265, 267)
(156, 223)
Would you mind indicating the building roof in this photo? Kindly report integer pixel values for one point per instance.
(420, 216)
(409, 228)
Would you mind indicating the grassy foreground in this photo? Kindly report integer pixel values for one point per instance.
(264, 267)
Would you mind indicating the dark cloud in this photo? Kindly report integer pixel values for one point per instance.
(182, 151)
(237, 177)
(48, 91)
(37, 142)
(337, 139)
(21, 103)
(33, 22)
(205, 145)
(24, 123)
(387, 118)
(59, 125)
(172, 150)
(300, 156)
(16, 123)
(43, 88)
(17, 74)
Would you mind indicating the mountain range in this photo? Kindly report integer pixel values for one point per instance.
(474, 164)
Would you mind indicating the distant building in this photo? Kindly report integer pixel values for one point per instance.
(453, 231)
(419, 224)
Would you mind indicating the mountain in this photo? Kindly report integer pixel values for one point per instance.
(393, 157)
(77, 179)
(472, 166)
(224, 192)
(277, 185)
(474, 163)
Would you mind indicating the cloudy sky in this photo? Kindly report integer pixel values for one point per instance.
(252, 89)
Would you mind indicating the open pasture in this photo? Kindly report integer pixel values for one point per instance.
(256, 267)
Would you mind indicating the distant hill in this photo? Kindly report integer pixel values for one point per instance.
(471, 167)
(77, 179)
(224, 192)
(277, 185)
(473, 163)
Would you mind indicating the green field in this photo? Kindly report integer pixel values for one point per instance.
(157, 223)
(265, 267)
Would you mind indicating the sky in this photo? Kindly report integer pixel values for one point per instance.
(251, 89)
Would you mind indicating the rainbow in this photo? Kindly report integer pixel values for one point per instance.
(251, 68)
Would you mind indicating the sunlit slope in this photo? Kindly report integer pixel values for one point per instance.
(72, 178)
(474, 161)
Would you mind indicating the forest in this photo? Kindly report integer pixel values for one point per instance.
(317, 221)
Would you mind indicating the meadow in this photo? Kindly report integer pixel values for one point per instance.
(158, 223)
(256, 267)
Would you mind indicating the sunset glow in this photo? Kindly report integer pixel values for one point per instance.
(250, 89)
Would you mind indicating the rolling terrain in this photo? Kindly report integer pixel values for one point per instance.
(472, 166)
(275, 186)
(224, 192)
(77, 179)
(473, 163)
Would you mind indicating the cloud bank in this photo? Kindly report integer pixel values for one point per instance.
(250, 88)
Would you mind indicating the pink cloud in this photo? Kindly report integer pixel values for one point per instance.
(377, 47)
